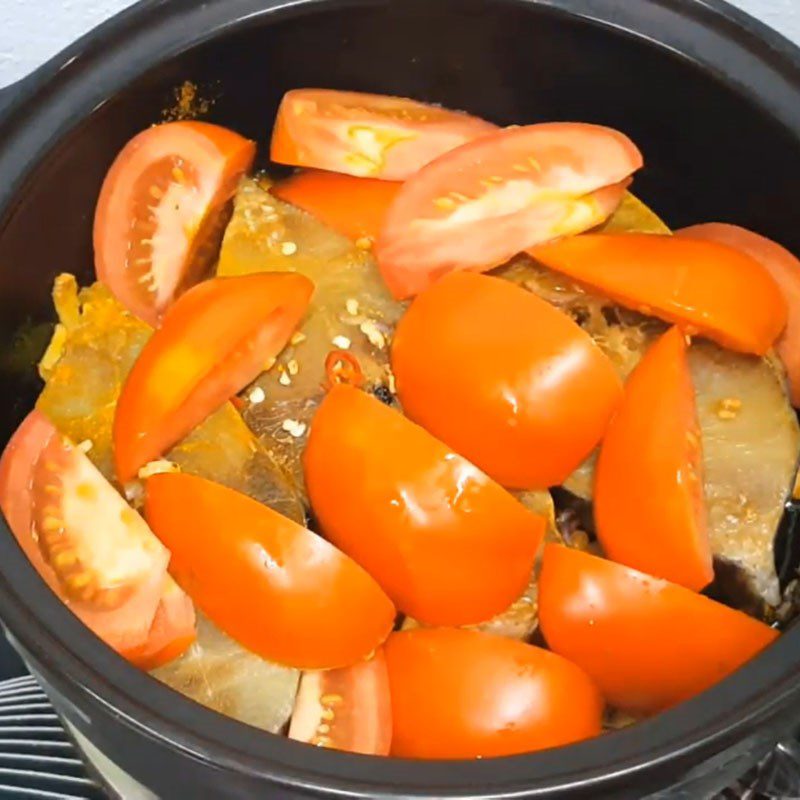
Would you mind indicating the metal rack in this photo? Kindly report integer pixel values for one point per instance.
(37, 758)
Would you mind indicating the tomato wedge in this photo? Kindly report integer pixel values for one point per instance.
(648, 644)
(705, 287)
(486, 201)
(162, 211)
(277, 588)
(502, 377)
(466, 694)
(355, 207)
(215, 340)
(649, 505)
(173, 630)
(346, 709)
(367, 135)
(447, 544)
(91, 548)
(784, 268)
(16, 502)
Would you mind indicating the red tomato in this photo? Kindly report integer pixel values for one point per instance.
(704, 287)
(503, 378)
(16, 469)
(649, 505)
(277, 588)
(465, 694)
(213, 342)
(647, 643)
(447, 544)
(367, 135)
(173, 630)
(488, 200)
(346, 709)
(162, 211)
(604, 202)
(355, 207)
(91, 548)
(784, 268)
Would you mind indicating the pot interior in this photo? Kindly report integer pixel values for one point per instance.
(712, 150)
(712, 153)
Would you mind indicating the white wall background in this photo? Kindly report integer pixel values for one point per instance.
(33, 30)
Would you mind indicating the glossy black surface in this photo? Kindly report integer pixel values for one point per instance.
(713, 100)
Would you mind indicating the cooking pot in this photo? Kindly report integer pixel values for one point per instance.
(713, 100)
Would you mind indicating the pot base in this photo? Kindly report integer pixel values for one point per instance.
(116, 781)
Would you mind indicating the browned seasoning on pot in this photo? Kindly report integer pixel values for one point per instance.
(188, 104)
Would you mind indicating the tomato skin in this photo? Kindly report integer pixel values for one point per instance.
(16, 469)
(172, 633)
(649, 505)
(355, 207)
(703, 286)
(604, 202)
(446, 543)
(125, 628)
(502, 377)
(784, 268)
(484, 202)
(648, 644)
(187, 214)
(366, 135)
(233, 556)
(346, 709)
(213, 342)
(466, 694)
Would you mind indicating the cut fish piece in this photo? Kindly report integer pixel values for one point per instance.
(350, 310)
(220, 674)
(751, 437)
(92, 351)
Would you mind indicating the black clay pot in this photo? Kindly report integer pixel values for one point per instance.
(712, 98)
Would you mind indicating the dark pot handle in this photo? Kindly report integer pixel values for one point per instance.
(10, 93)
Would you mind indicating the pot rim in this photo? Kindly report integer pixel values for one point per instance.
(79, 666)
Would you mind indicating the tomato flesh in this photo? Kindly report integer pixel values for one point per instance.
(465, 694)
(92, 550)
(162, 211)
(216, 339)
(503, 378)
(355, 207)
(648, 644)
(784, 268)
(479, 205)
(703, 286)
(366, 135)
(99, 547)
(649, 505)
(346, 709)
(277, 588)
(446, 543)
